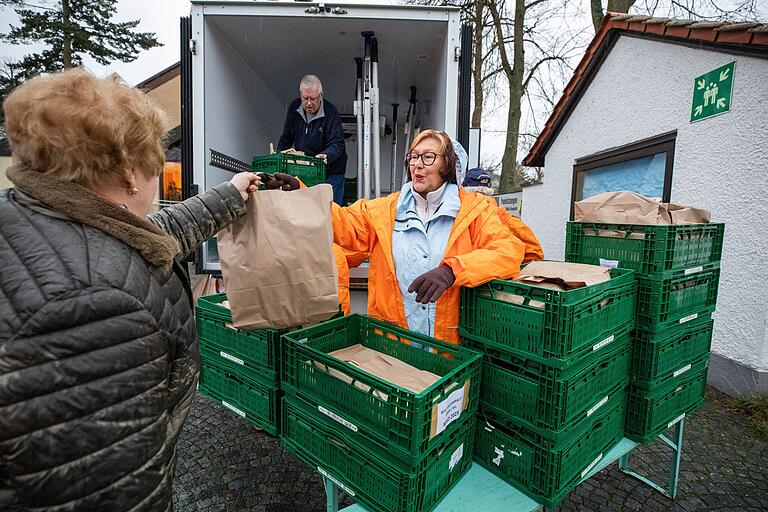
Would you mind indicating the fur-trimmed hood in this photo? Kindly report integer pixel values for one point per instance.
(488, 191)
(86, 207)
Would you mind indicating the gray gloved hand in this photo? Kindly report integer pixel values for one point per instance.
(429, 286)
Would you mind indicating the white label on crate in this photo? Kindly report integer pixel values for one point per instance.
(231, 358)
(609, 263)
(597, 406)
(456, 457)
(688, 318)
(449, 410)
(682, 370)
(339, 484)
(303, 340)
(336, 417)
(693, 270)
(675, 420)
(499, 456)
(233, 409)
(589, 468)
(598, 346)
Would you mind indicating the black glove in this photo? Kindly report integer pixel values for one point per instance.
(429, 286)
(279, 180)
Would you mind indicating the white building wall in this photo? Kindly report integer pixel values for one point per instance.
(644, 88)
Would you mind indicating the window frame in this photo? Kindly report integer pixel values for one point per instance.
(632, 151)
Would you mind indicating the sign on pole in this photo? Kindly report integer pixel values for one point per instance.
(712, 93)
(513, 202)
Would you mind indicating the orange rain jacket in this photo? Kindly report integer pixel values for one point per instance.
(343, 268)
(520, 229)
(480, 248)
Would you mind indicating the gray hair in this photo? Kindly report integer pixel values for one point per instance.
(311, 82)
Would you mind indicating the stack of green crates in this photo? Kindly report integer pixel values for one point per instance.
(310, 170)
(389, 448)
(240, 369)
(678, 270)
(555, 370)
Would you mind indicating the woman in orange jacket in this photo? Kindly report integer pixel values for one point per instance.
(426, 242)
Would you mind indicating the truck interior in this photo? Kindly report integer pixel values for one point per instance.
(253, 65)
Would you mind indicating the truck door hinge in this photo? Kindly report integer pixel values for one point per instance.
(456, 53)
(193, 47)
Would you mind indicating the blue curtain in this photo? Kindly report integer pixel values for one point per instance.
(643, 175)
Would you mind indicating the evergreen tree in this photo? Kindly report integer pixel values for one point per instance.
(70, 29)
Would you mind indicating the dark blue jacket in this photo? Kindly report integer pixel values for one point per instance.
(322, 135)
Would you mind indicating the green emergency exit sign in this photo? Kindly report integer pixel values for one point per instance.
(712, 93)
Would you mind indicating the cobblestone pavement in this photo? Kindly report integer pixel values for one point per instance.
(224, 464)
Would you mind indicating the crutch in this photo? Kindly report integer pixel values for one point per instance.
(359, 116)
(394, 148)
(410, 119)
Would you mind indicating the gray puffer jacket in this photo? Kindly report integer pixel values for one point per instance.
(98, 350)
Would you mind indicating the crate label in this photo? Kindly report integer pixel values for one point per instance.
(233, 409)
(302, 340)
(449, 410)
(589, 468)
(675, 420)
(682, 370)
(456, 457)
(338, 484)
(232, 358)
(597, 406)
(499, 456)
(336, 417)
(609, 263)
(693, 270)
(688, 318)
(598, 346)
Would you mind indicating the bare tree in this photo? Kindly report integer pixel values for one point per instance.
(613, 6)
(527, 45)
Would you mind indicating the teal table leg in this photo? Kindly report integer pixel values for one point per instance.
(331, 496)
(674, 470)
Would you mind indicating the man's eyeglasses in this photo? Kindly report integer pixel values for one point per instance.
(427, 158)
(308, 99)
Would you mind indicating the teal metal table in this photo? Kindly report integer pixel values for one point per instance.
(479, 489)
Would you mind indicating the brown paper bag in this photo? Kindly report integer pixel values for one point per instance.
(682, 214)
(621, 208)
(205, 285)
(277, 261)
(562, 275)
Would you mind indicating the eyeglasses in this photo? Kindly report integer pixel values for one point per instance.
(309, 99)
(427, 158)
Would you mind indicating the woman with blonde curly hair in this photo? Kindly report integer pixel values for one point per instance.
(98, 350)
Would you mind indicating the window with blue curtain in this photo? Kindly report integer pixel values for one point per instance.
(644, 167)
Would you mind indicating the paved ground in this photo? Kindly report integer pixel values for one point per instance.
(225, 464)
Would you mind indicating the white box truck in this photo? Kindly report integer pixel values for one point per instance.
(242, 62)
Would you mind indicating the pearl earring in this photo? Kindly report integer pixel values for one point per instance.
(133, 191)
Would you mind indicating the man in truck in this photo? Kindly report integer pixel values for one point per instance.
(313, 125)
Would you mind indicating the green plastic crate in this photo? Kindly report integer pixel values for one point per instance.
(657, 356)
(259, 347)
(368, 478)
(240, 367)
(308, 169)
(544, 469)
(652, 411)
(677, 297)
(543, 397)
(565, 329)
(648, 249)
(254, 402)
(378, 409)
